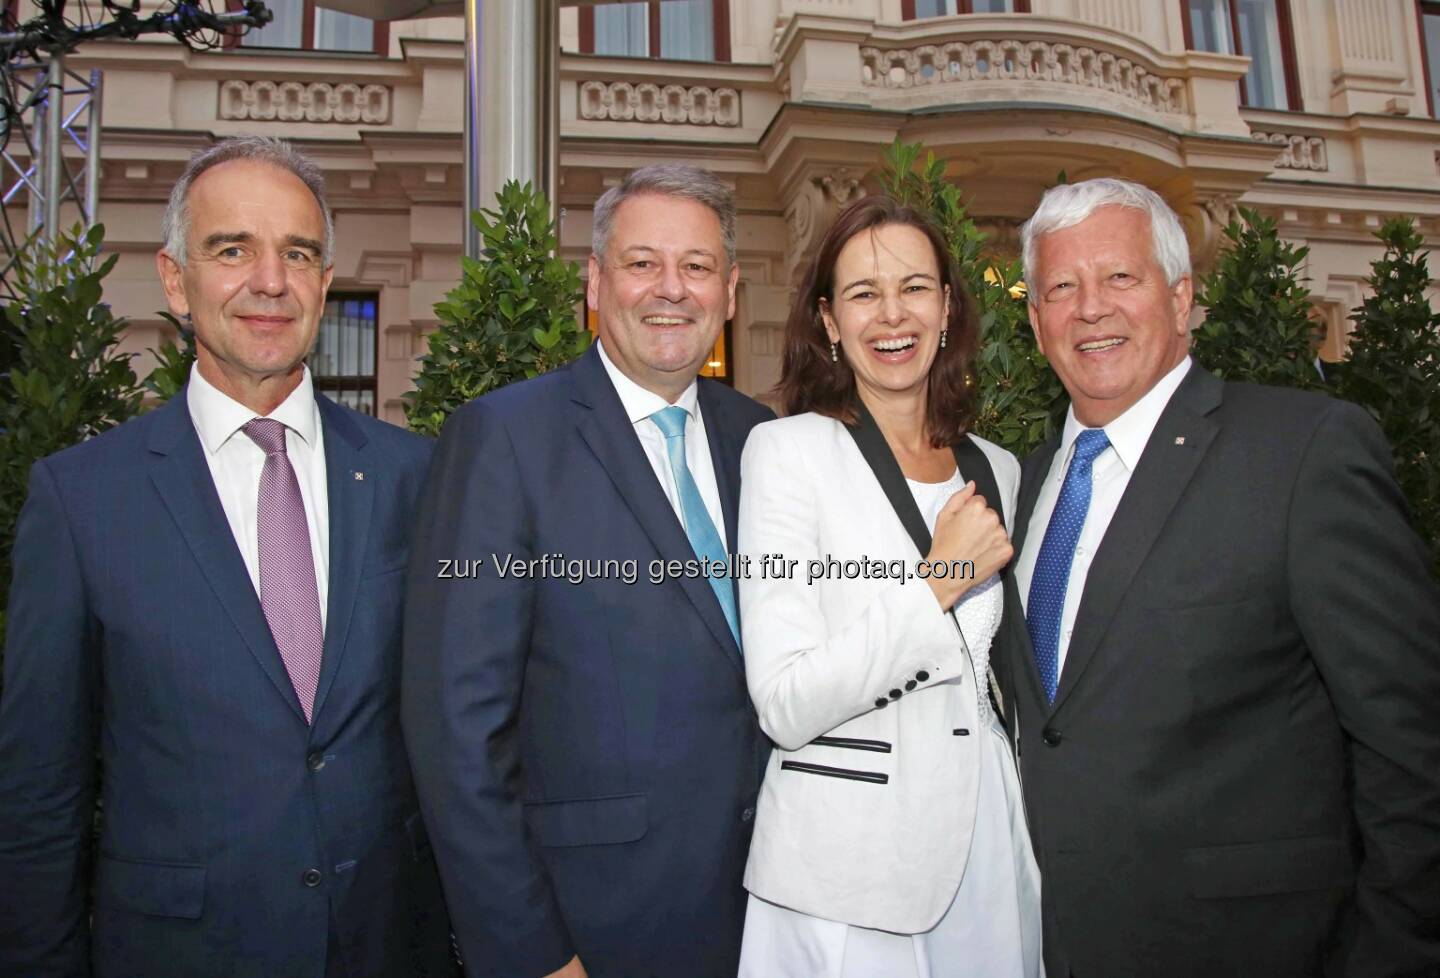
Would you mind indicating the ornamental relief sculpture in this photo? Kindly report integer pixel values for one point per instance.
(1018, 60)
(695, 105)
(294, 101)
(1297, 152)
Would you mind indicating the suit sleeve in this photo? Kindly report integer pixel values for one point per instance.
(466, 642)
(1369, 610)
(47, 747)
(806, 674)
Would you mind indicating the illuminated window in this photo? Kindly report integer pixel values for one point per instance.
(683, 30)
(343, 364)
(1258, 29)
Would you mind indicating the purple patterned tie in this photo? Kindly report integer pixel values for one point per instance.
(288, 594)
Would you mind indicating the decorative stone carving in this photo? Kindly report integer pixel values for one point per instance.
(293, 101)
(694, 105)
(1016, 60)
(1204, 221)
(814, 208)
(1297, 152)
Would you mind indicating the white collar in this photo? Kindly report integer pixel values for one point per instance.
(640, 403)
(217, 416)
(1129, 433)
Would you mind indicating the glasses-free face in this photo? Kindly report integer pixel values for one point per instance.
(254, 278)
(662, 290)
(1103, 313)
(888, 310)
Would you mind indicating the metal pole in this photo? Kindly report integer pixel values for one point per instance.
(52, 158)
(36, 181)
(92, 149)
(548, 102)
(473, 199)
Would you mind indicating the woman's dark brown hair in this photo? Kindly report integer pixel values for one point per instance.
(811, 381)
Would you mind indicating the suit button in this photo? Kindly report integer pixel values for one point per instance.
(315, 761)
(881, 702)
(895, 694)
(311, 877)
(923, 676)
(747, 815)
(909, 685)
(1050, 736)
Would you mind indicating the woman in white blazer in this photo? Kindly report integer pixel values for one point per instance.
(890, 838)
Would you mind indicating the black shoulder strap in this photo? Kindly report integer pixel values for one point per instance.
(969, 459)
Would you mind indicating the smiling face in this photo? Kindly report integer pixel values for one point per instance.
(1104, 315)
(254, 279)
(888, 310)
(662, 290)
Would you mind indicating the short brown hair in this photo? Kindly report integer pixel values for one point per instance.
(811, 381)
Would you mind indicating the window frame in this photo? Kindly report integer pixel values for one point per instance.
(354, 382)
(1289, 66)
(962, 8)
(1423, 8)
(380, 48)
(719, 8)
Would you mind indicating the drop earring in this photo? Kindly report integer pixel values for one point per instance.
(942, 338)
(834, 354)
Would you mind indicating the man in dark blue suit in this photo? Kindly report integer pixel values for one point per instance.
(584, 747)
(209, 597)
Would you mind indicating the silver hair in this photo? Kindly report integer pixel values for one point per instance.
(260, 149)
(671, 180)
(1069, 204)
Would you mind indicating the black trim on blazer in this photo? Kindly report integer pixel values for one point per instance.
(804, 767)
(969, 459)
(852, 743)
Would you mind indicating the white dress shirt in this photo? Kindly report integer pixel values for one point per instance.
(639, 404)
(1109, 474)
(236, 462)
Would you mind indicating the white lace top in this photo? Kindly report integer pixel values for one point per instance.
(978, 612)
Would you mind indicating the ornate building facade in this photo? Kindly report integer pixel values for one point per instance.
(1321, 113)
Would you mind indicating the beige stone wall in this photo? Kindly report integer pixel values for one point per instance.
(796, 124)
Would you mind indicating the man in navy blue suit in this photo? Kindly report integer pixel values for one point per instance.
(584, 747)
(208, 598)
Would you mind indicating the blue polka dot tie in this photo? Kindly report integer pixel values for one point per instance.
(704, 539)
(1057, 552)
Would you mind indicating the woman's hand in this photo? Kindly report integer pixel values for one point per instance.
(966, 530)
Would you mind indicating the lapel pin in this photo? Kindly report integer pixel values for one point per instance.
(1179, 440)
(360, 476)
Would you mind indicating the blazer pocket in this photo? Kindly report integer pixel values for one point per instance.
(588, 821)
(419, 838)
(825, 770)
(852, 743)
(1261, 868)
(157, 889)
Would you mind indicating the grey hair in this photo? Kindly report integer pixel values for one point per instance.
(260, 149)
(1069, 204)
(671, 180)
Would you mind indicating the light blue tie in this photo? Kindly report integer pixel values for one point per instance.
(698, 525)
(1057, 552)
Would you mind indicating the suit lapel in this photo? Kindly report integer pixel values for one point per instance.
(1176, 446)
(351, 500)
(611, 437)
(182, 478)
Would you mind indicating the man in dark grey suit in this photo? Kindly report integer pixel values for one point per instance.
(1227, 675)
